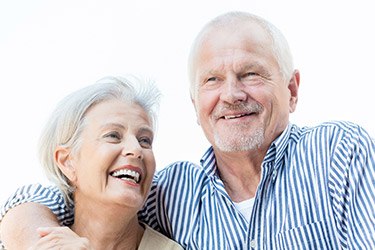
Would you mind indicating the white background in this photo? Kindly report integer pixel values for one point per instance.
(50, 48)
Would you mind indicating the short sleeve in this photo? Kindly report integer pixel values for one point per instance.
(49, 196)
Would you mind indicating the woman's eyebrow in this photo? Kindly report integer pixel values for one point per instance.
(146, 129)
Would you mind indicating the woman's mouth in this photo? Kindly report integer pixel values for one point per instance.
(127, 174)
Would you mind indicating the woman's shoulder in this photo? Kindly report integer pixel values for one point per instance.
(154, 240)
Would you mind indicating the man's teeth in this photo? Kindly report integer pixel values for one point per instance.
(227, 117)
(127, 174)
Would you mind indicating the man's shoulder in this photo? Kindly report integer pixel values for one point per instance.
(330, 133)
(340, 125)
(329, 128)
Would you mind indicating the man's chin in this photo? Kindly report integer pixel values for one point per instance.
(240, 142)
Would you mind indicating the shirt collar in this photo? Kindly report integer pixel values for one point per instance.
(208, 162)
(274, 153)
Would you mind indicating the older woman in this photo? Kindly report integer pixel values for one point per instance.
(97, 148)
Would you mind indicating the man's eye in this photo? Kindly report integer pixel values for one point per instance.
(249, 74)
(211, 82)
(211, 79)
(145, 142)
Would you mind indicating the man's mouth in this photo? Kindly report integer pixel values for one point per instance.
(229, 112)
(228, 117)
(127, 175)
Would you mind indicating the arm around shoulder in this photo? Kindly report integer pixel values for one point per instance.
(28, 208)
(19, 225)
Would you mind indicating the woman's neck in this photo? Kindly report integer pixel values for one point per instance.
(114, 227)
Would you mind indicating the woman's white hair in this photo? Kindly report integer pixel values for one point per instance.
(66, 122)
(280, 45)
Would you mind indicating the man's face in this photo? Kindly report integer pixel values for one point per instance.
(241, 99)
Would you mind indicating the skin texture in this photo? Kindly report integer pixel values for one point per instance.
(238, 78)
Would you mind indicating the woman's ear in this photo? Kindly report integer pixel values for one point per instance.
(63, 161)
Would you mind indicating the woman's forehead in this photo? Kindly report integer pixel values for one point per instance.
(118, 111)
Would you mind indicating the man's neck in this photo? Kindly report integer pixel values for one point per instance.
(240, 173)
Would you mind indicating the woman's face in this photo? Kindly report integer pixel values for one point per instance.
(115, 162)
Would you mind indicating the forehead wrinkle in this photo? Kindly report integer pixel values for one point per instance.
(248, 66)
(236, 67)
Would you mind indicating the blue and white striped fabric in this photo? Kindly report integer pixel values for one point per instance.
(317, 191)
(48, 196)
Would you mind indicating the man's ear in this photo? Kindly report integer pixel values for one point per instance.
(195, 108)
(63, 161)
(293, 86)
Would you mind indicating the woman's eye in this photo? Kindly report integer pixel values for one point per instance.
(115, 136)
(145, 142)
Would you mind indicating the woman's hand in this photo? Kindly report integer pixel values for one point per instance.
(60, 238)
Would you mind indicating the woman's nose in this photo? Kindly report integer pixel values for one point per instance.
(132, 148)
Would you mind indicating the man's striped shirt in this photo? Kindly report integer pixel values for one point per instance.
(317, 191)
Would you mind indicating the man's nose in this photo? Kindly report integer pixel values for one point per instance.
(233, 91)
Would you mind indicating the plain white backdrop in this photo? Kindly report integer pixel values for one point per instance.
(50, 48)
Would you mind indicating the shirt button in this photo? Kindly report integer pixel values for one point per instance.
(252, 244)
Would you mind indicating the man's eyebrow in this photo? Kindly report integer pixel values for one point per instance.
(251, 66)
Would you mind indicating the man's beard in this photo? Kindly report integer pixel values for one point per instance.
(237, 140)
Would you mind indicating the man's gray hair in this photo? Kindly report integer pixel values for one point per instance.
(280, 45)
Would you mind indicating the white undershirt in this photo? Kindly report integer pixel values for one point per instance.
(245, 207)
